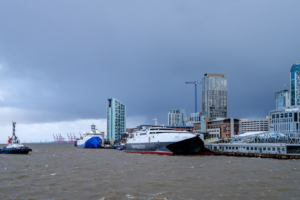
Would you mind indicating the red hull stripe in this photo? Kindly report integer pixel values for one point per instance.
(151, 152)
(206, 153)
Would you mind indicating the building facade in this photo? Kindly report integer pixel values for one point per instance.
(116, 119)
(282, 99)
(285, 120)
(247, 125)
(295, 84)
(224, 127)
(176, 117)
(195, 120)
(214, 95)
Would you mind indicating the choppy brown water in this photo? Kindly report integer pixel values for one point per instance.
(65, 172)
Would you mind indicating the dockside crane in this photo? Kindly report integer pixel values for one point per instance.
(195, 83)
(69, 138)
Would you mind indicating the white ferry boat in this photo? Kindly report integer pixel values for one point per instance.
(91, 139)
(165, 141)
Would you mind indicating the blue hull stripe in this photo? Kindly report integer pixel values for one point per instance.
(94, 142)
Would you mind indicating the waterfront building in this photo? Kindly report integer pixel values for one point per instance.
(195, 119)
(214, 95)
(222, 127)
(176, 117)
(282, 99)
(295, 84)
(203, 124)
(258, 125)
(285, 120)
(116, 119)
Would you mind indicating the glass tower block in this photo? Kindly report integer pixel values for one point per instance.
(214, 95)
(295, 84)
(116, 119)
(282, 99)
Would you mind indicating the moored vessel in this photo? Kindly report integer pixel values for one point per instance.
(92, 139)
(14, 146)
(165, 141)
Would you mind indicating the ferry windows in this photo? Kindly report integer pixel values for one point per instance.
(290, 114)
(255, 148)
(277, 115)
(264, 148)
(251, 148)
(281, 116)
(236, 148)
(269, 149)
(273, 116)
(278, 149)
(273, 149)
(247, 148)
(295, 117)
(282, 149)
(285, 115)
(226, 147)
(229, 147)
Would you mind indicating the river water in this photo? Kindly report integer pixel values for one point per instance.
(56, 171)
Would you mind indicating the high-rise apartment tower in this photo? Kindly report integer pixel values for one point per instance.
(282, 99)
(116, 119)
(176, 117)
(295, 84)
(214, 95)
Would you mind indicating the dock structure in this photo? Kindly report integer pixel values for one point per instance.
(264, 145)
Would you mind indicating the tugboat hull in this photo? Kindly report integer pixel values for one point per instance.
(15, 151)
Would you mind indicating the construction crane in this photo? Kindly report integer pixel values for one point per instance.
(196, 83)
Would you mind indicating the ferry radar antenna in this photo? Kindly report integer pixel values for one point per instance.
(155, 121)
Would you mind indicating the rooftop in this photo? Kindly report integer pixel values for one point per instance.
(215, 75)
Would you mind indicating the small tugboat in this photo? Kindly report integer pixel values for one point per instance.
(14, 146)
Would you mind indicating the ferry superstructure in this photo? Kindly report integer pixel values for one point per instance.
(165, 141)
(92, 139)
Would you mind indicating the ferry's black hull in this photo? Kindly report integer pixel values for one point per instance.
(192, 146)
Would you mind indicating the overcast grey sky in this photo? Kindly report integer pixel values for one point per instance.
(61, 60)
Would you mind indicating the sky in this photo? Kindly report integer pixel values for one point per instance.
(61, 60)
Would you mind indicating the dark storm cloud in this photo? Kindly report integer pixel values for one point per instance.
(68, 57)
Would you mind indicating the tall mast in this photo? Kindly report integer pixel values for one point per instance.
(14, 126)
